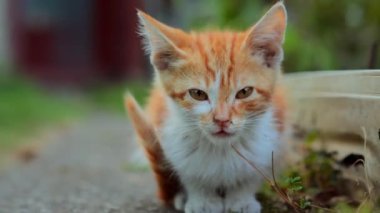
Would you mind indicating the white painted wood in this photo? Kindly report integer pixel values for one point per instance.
(339, 102)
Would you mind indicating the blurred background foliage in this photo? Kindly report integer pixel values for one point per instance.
(25, 108)
(321, 35)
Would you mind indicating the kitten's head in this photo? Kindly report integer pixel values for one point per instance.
(222, 81)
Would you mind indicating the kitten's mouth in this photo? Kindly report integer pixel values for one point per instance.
(222, 134)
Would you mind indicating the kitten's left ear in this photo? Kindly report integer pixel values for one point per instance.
(162, 42)
(265, 38)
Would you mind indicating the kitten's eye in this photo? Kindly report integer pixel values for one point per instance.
(244, 93)
(198, 95)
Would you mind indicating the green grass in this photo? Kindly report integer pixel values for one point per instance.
(25, 109)
(110, 97)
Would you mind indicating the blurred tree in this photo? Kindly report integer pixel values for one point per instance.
(322, 34)
(347, 28)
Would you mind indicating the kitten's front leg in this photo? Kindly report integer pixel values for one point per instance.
(201, 200)
(242, 201)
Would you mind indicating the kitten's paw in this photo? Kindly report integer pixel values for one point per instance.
(248, 205)
(203, 205)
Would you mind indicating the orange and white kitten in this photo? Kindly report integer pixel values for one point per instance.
(212, 91)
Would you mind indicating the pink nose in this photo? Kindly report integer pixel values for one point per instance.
(223, 123)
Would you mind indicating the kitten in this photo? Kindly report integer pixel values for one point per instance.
(212, 91)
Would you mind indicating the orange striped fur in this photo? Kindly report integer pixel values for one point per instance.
(184, 61)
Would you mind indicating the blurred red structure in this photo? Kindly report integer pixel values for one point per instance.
(76, 42)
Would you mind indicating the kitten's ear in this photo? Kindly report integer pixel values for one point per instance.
(265, 38)
(161, 42)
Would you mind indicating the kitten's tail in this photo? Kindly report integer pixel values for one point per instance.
(144, 130)
(168, 184)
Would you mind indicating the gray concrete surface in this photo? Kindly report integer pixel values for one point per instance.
(84, 170)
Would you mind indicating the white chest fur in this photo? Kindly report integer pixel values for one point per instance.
(199, 160)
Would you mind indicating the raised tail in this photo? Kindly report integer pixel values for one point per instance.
(167, 181)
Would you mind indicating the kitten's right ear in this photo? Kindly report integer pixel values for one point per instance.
(265, 38)
(161, 42)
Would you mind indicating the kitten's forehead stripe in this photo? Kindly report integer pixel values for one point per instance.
(216, 50)
(203, 54)
(221, 48)
(232, 62)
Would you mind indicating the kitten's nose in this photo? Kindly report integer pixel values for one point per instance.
(221, 116)
(223, 123)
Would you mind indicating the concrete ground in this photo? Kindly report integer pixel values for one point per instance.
(85, 169)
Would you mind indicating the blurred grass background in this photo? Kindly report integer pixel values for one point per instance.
(321, 35)
(26, 108)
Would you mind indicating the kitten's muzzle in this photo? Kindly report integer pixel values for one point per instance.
(222, 123)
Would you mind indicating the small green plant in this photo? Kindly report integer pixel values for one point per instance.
(315, 184)
(295, 183)
(304, 203)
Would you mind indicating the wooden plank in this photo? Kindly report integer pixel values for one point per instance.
(355, 82)
(339, 102)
